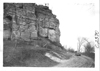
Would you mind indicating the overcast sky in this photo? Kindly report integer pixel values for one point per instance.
(78, 18)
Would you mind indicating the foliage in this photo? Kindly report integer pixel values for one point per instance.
(89, 48)
(70, 50)
(80, 42)
(25, 55)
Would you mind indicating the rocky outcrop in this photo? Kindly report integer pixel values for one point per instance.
(28, 21)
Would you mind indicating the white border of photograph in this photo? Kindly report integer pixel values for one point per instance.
(60, 2)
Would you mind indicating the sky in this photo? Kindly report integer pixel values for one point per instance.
(77, 19)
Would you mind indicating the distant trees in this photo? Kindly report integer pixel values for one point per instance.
(80, 42)
(89, 48)
(70, 50)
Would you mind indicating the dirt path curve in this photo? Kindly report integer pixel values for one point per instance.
(77, 61)
(74, 61)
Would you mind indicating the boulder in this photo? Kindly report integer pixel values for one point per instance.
(34, 35)
(25, 36)
(22, 28)
(6, 34)
(16, 34)
(43, 32)
(52, 35)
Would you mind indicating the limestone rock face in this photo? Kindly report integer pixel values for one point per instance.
(29, 21)
(43, 32)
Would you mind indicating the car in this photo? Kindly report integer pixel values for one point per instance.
(78, 54)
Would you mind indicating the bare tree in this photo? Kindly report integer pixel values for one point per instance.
(80, 42)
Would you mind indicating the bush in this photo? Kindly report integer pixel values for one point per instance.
(89, 48)
(70, 50)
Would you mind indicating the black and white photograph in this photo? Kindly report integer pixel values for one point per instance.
(45, 34)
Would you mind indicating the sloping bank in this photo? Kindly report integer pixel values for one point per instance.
(74, 61)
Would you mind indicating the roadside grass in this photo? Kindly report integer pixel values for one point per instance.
(91, 55)
(25, 55)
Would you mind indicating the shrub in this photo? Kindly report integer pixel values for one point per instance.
(70, 50)
(89, 48)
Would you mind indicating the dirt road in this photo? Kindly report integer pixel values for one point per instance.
(74, 61)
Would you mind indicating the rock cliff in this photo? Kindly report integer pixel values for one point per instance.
(28, 21)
